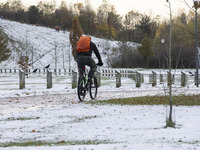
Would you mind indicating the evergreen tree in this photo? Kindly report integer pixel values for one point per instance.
(146, 50)
(4, 51)
(33, 15)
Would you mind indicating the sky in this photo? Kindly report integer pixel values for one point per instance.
(149, 7)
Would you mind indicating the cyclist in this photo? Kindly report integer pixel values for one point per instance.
(85, 47)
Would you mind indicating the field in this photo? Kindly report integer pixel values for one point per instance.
(40, 118)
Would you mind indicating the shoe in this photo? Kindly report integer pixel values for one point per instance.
(90, 81)
(81, 94)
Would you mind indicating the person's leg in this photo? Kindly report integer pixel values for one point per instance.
(80, 66)
(92, 65)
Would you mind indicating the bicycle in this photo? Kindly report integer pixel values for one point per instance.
(83, 86)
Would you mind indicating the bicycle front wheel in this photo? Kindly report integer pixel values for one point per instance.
(93, 88)
(81, 89)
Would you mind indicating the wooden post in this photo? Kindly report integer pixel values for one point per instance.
(184, 79)
(138, 79)
(21, 79)
(102, 72)
(106, 73)
(150, 78)
(154, 78)
(118, 79)
(59, 71)
(55, 72)
(142, 78)
(74, 79)
(161, 78)
(49, 79)
(109, 72)
(98, 77)
(65, 71)
(134, 75)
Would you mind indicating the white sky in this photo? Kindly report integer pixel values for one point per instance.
(150, 7)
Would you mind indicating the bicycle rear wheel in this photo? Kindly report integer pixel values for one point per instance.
(93, 88)
(81, 89)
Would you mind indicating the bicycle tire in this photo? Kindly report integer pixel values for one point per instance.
(81, 89)
(93, 88)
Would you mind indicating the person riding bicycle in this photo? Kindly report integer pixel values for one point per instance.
(85, 47)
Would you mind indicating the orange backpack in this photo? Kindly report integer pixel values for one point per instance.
(83, 44)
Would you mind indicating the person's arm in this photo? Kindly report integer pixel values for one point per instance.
(96, 51)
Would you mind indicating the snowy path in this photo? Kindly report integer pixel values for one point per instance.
(24, 103)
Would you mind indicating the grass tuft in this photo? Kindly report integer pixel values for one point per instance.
(60, 143)
(182, 100)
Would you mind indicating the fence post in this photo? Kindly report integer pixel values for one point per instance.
(59, 71)
(118, 79)
(21, 79)
(154, 78)
(49, 79)
(98, 77)
(65, 71)
(74, 79)
(150, 78)
(138, 79)
(102, 72)
(134, 75)
(55, 72)
(184, 79)
(161, 78)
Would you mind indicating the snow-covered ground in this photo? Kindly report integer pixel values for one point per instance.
(55, 115)
(56, 118)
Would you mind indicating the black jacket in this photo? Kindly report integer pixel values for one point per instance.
(94, 49)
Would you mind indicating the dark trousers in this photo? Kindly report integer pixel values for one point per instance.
(86, 60)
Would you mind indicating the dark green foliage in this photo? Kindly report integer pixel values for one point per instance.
(146, 51)
(33, 15)
(4, 51)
